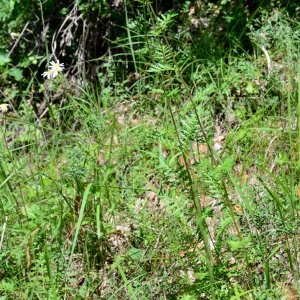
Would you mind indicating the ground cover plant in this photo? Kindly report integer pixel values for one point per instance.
(158, 159)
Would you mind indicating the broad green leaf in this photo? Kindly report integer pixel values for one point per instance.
(17, 73)
(136, 254)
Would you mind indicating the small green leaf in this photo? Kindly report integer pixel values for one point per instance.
(250, 88)
(3, 59)
(235, 245)
(156, 91)
(31, 211)
(17, 73)
(136, 254)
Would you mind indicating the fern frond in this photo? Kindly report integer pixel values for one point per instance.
(162, 23)
(190, 130)
(159, 68)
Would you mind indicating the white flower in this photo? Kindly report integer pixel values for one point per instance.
(55, 70)
(48, 74)
(56, 66)
(4, 107)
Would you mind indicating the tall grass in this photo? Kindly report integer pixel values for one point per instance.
(183, 185)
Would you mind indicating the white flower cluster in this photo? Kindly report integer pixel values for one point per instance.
(54, 69)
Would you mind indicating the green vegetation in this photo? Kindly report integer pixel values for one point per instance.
(158, 159)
